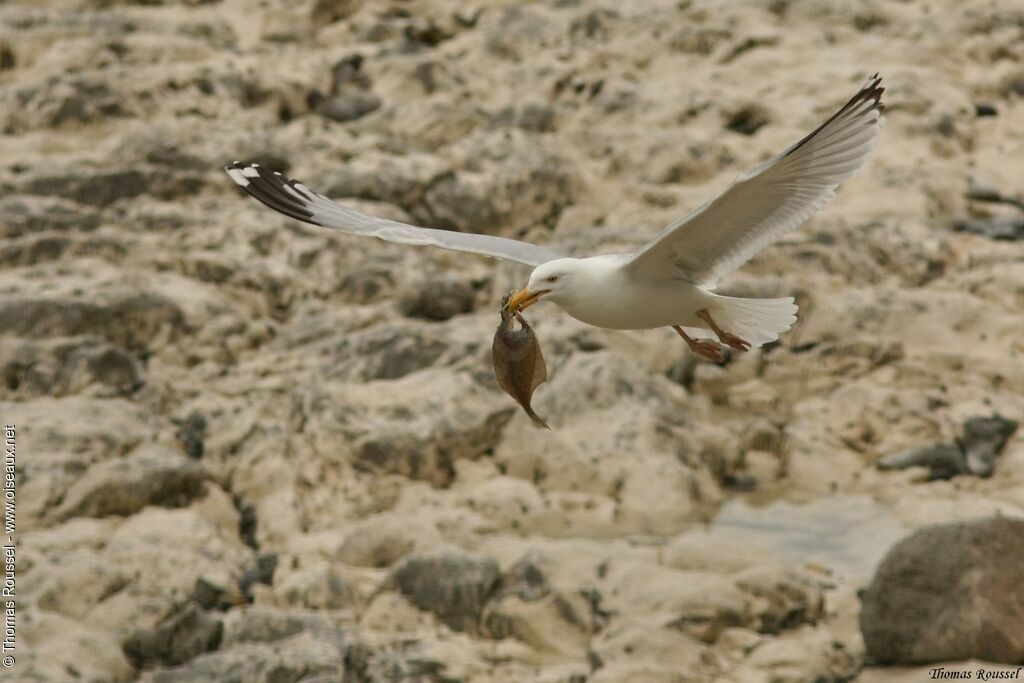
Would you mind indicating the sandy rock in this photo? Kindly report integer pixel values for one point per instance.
(645, 650)
(401, 181)
(526, 607)
(801, 655)
(146, 301)
(206, 534)
(405, 659)
(349, 107)
(73, 585)
(781, 599)
(383, 540)
(100, 428)
(945, 593)
(659, 488)
(392, 613)
(696, 551)
(432, 418)
(124, 486)
(55, 646)
(318, 586)
(453, 586)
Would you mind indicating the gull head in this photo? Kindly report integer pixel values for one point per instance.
(559, 281)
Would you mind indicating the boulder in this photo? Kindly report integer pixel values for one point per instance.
(949, 592)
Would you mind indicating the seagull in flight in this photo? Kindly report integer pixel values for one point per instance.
(670, 280)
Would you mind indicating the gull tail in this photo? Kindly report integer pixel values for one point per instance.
(757, 321)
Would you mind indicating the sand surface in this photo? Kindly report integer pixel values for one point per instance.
(251, 449)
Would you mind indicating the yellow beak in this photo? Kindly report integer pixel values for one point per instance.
(524, 298)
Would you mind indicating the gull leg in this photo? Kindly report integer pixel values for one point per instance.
(727, 338)
(702, 347)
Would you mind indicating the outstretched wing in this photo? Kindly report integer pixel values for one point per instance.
(763, 205)
(294, 199)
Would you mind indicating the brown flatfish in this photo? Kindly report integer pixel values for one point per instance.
(518, 361)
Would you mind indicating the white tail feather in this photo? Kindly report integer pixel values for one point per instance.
(757, 321)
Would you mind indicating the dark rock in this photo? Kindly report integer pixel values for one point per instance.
(329, 11)
(407, 449)
(949, 592)
(364, 285)
(125, 486)
(8, 60)
(67, 366)
(438, 298)
(526, 579)
(748, 120)
(347, 72)
(454, 587)
(95, 189)
(985, 193)
(191, 434)
(975, 452)
(944, 460)
(995, 228)
(782, 599)
(41, 248)
(263, 572)
(79, 100)
(394, 350)
(537, 118)
(128, 319)
(426, 31)
(983, 441)
(210, 595)
(519, 192)
(984, 109)
(349, 106)
(25, 214)
(102, 188)
(175, 640)
(262, 624)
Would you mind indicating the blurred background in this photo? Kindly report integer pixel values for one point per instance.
(250, 449)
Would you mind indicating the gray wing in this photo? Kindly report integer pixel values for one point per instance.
(763, 205)
(295, 200)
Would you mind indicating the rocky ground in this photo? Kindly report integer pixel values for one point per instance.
(250, 449)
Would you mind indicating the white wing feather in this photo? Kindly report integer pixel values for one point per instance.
(295, 200)
(763, 205)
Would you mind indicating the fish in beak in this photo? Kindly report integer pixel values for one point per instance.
(524, 298)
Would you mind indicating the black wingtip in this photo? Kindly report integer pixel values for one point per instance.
(268, 187)
(872, 91)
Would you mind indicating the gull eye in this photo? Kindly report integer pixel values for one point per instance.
(553, 278)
